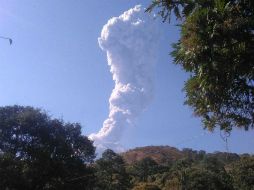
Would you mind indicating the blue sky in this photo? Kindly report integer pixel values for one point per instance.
(55, 63)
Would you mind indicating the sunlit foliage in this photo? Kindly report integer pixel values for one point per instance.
(216, 47)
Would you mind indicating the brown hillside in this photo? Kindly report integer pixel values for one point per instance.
(160, 154)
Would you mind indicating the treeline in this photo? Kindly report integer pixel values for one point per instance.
(197, 170)
(41, 153)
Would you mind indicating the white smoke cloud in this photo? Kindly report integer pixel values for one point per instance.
(130, 42)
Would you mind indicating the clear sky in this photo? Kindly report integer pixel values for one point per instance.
(55, 64)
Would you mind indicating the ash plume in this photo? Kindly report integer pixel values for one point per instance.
(130, 42)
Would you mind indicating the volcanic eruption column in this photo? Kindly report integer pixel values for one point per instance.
(130, 42)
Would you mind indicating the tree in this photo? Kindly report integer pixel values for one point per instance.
(145, 186)
(38, 152)
(111, 173)
(145, 168)
(199, 179)
(216, 47)
(188, 174)
(11, 173)
(179, 174)
(243, 173)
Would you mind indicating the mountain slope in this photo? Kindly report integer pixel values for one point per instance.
(160, 154)
(166, 154)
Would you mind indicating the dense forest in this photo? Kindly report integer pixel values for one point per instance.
(39, 152)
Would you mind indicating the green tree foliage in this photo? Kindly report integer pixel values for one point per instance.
(193, 170)
(199, 179)
(146, 186)
(111, 172)
(243, 173)
(178, 174)
(41, 153)
(216, 47)
(11, 173)
(208, 174)
(38, 152)
(145, 168)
